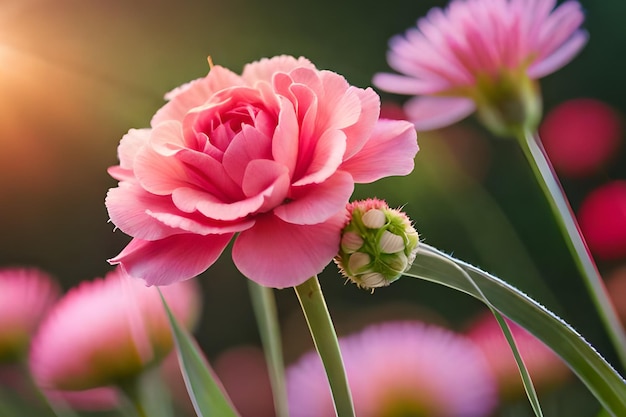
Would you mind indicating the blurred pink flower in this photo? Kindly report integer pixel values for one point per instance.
(95, 399)
(272, 154)
(399, 368)
(243, 371)
(481, 54)
(26, 295)
(581, 136)
(545, 367)
(602, 219)
(108, 330)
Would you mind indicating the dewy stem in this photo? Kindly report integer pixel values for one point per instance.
(264, 305)
(325, 339)
(542, 168)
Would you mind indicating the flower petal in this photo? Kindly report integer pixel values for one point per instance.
(279, 255)
(564, 54)
(127, 204)
(429, 113)
(172, 259)
(195, 93)
(265, 69)
(130, 144)
(317, 202)
(390, 151)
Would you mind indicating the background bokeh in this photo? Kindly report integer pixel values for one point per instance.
(75, 75)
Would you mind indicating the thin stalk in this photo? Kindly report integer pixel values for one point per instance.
(264, 305)
(132, 391)
(551, 187)
(325, 339)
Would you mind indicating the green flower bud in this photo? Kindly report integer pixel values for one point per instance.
(378, 244)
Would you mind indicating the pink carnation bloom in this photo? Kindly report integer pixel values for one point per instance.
(478, 54)
(602, 218)
(546, 369)
(399, 369)
(26, 295)
(272, 154)
(106, 331)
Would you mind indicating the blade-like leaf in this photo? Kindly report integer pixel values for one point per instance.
(597, 374)
(205, 391)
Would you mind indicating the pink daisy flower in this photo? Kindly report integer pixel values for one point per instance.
(26, 295)
(482, 55)
(545, 367)
(271, 155)
(399, 368)
(106, 331)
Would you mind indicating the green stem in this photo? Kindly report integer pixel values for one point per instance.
(264, 305)
(132, 391)
(536, 155)
(325, 339)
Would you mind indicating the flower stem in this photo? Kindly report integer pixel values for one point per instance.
(542, 168)
(264, 305)
(325, 339)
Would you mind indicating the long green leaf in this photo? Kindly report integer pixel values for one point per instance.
(595, 372)
(205, 391)
(506, 331)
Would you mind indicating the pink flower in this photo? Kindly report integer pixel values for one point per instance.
(95, 399)
(481, 55)
(272, 155)
(399, 368)
(581, 136)
(108, 330)
(26, 295)
(602, 218)
(545, 367)
(243, 371)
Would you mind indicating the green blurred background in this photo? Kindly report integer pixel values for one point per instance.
(75, 75)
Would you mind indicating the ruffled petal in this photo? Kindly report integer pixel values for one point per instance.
(127, 206)
(429, 113)
(130, 144)
(324, 159)
(265, 183)
(315, 203)
(390, 151)
(248, 145)
(279, 255)
(173, 259)
(195, 93)
(264, 69)
(359, 133)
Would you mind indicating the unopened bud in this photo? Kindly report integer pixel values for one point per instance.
(378, 244)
